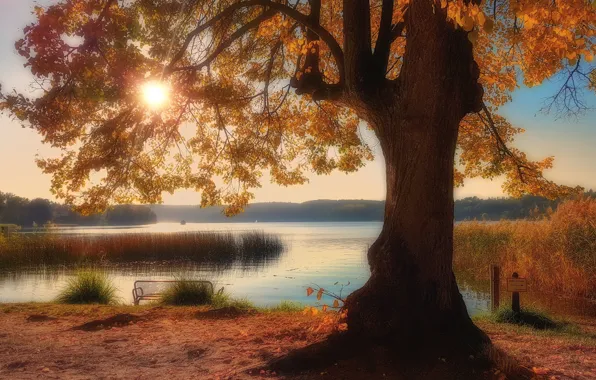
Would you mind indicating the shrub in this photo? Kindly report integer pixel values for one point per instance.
(527, 317)
(88, 288)
(187, 293)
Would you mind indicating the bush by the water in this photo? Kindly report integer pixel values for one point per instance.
(88, 288)
(217, 249)
(557, 254)
(187, 293)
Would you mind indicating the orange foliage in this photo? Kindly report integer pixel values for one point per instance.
(556, 254)
(231, 115)
(331, 322)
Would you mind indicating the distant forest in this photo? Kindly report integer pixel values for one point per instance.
(27, 213)
(358, 210)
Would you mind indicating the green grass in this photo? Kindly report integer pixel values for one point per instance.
(537, 323)
(88, 288)
(528, 318)
(187, 293)
(287, 307)
(225, 300)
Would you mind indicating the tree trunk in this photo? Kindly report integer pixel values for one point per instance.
(412, 297)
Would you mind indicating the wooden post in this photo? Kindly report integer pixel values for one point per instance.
(494, 287)
(515, 298)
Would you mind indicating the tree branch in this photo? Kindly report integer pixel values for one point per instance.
(104, 11)
(384, 39)
(357, 42)
(501, 145)
(397, 30)
(226, 43)
(277, 7)
(567, 101)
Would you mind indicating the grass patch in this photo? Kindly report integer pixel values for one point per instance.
(187, 293)
(527, 317)
(88, 288)
(225, 300)
(287, 307)
(573, 332)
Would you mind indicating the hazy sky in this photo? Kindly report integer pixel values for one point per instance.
(572, 142)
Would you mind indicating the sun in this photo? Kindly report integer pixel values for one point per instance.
(155, 94)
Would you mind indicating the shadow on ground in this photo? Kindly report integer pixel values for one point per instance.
(342, 357)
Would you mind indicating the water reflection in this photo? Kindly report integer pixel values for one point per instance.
(316, 254)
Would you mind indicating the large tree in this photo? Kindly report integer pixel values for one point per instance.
(281, 86)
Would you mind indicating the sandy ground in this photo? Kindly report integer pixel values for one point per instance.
(53, 342)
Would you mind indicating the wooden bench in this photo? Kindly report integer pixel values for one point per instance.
(151, 290)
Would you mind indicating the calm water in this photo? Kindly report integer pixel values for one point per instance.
(318, 254)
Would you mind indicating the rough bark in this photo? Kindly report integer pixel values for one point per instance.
(412, 296)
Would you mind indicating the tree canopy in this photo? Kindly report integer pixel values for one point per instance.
(230, 67)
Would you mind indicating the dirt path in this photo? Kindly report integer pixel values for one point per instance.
(50, 341)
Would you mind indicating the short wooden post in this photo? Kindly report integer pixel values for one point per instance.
(494, 287)
(515, 297)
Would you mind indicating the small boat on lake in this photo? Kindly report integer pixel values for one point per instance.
(183, 222)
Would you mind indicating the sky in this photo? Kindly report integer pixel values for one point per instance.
(571, 141)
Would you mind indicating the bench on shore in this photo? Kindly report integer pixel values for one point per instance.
(151, 290)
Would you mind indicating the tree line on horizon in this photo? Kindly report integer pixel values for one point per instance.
(38, 212)
(470, 208)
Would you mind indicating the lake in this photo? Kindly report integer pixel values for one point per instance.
(326, 254)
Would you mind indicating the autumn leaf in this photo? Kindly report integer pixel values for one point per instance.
(468, 23)
(309, 291)
(473, 37)
(320, 294)
(335, 303)
(488, 25)
(324, 308)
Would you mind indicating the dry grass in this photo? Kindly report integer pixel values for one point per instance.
(218, 249)
(558, 253)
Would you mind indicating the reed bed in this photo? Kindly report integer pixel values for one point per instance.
(557, 254)
(211, 248)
